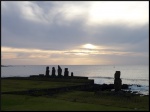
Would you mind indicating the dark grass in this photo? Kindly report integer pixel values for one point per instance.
(71, 100)
(29, 103)
(20, 85)
(107, 98)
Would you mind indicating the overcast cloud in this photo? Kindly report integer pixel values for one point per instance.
(55, 31)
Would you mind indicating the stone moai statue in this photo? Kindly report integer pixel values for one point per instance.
(117, 81)
(66, 72)
(71, 74)
(47, 71)
(53, 72)
(59, 71)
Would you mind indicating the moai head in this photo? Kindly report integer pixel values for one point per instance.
(47, 68)
(66, 69)
(53, 68)
(117, 75)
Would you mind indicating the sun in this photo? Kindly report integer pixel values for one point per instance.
(89, 46)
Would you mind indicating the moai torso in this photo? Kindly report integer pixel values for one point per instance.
(59, 71)
(53, 71)
(47, 71)
(66, 72)
(117, 81)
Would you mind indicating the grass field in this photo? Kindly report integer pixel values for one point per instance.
(26, 103)
(20, 85)
(71, 100)
(107, 99)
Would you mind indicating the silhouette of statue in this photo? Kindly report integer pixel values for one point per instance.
(66, 72)
(47, 71)
(117, 81)
(71, 74)
(59, 71)
(53, 72)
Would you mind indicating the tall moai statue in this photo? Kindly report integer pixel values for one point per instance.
(66, 72)
(59, 70)
(53, 72)
(117, 81)
(47, 71)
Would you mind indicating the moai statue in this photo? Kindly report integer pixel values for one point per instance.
(66, 72)
(71, 74)
(53, 72)
(59, 71)
(47, 71)
(117, 81)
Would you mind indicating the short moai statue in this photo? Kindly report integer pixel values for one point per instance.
(53, 72)
(117, 81)
(47, 71)
(59, 71)
(71, 74)
(66, 72)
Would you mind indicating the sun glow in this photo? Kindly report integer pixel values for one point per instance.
(89, 46)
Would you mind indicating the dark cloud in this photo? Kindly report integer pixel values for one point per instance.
(28, 34)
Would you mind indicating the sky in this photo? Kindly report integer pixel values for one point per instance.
(74, 32)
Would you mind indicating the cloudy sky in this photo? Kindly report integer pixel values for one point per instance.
(74, 33)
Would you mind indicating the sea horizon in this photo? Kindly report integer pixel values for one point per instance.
(102, 74)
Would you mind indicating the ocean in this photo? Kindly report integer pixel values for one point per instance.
(135, 75)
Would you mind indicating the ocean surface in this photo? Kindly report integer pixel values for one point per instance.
(135, 75)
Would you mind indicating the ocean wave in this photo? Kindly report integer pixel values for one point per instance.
(121, 78)
(101, 77)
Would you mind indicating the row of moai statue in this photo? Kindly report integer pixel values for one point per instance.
(59, 70)
(117, 81)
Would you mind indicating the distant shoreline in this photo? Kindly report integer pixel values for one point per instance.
(6, 65)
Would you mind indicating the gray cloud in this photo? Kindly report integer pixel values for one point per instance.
(135, 38)
(24, 33)
(121, 33)
(55, 32)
